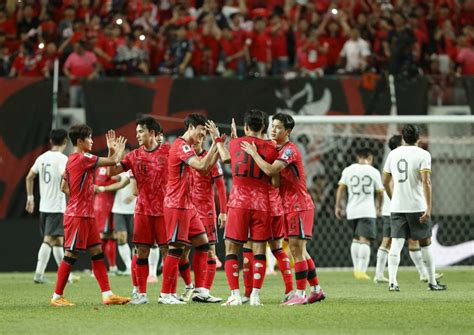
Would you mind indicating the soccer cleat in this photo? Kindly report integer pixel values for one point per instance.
(296, 300)
(437, 287)
(438, 276)
(288, 296)
(152, 280)
(362, 276)
(187, 293)
(61, 302)
(393, 288)
(125, 273)
(245, 300)
(209, 299)
(315, 297)
(170, 299)
(233, 300)
(255, 301)
(380, 280)
(115, 300)
(139, 299)
(73, 279)
(40, 279)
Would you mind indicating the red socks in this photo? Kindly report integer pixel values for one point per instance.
(111, 252)
(185, 271)
(301, 274)
(63, 274)
(232, 271)
(259, 269)
(285, 268)
(211, 272)
(312, 276)
(100, 272)
(142, 271)
(248, 270)
(170, 271)
(200, 266)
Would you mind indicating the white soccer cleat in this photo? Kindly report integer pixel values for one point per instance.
(380, 280)
(40, 279)
(187, 293)
(255, 301)
(288, 296)
(245, 300)
(170, 299)
(139, 299)
(205, 298)
(233, 300)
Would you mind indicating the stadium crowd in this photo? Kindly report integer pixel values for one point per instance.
(190, 38)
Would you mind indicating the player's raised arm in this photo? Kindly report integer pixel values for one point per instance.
(30, 198)
(267, 168)
(219, 141)
(118, 148)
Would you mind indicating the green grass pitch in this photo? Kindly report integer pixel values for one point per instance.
(352, 307)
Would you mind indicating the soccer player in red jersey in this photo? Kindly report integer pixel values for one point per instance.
(149, 165)
(183, 225)
(80, 230)
(297, 205)
(204, 201)
(103, 203)
(248, 207)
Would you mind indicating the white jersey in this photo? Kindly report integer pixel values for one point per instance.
(405, 164)
(50, 168)
(362, 181)
(120, 206)
(386, 205)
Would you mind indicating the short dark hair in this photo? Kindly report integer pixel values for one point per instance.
(286, 119)
(255, 119)
(57, 136)
(195, 120)
(150, 123)
(395, 141)
(364, 152)
(411, 133)
(80, 131)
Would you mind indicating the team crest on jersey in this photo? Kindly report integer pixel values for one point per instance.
(186, 148)
(287, 153)
(88, 155)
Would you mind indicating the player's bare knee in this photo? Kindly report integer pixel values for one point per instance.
(276, 244)
(164, 251)
(212, 251)
(413, 244)
(71, 254)
(231, 247)
(259, 248)
(199, 240)
(186, 251)
(143, 251)
(425, 242)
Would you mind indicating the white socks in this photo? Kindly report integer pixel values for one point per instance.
(58, 253)
(126, 254)
(271, 261)
(382, 255)
(153, 259)
(364, 257)
(429, 263)
(417, 259)
(43, 258)
(394, 259)
(355, 254)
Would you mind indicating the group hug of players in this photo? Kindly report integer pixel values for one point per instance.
(175, 209)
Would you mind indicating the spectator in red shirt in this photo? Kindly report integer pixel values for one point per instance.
(233, 53)
(7, 25)
(465, 58)
(278, 31)
(106, 48)
(26, 63)
(80, 65)
(260, 47)
(316, 60)
(49, 55)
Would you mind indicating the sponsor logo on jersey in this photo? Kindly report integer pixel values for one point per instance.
(287, 153)
(186, 148)
(88, 155)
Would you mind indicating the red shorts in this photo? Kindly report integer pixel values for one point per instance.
(300, 224)
(278, 227)
(149, 229)
(211, 229)
(80, 233)
(182, 225)
(248, 224)
(104, 221)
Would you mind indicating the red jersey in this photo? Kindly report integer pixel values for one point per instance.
(250, 185)
(260, 48)
(178, 192)
(105, 200)
(295, 195)
(203, 190)
(79, 175)
(276, 206)
(150, 170)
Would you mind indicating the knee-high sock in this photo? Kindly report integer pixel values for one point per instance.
(58, 253)
(125, 253)
(355, 254)
(382, 255)
(417, 258)
(200, 265)
(44, 253)
(111, 252)
(170, 271)
(301, 275)
(63, 274)
(153, 259)
(185, 271)
(232, 271)
(394, 259)
(211, 272)
(259, 269)
(134, 271)
(364, 257)
(100, 272)
(313, 279)
(285, 268)
(429, 263)
(248, 270)
(142, 271)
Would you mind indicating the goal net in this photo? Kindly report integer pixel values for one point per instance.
(329, 144)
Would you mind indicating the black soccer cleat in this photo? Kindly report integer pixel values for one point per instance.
(437, 287)
(393, 288)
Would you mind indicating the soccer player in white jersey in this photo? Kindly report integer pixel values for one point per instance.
(410, 210)
(50, 168)
(361, 181)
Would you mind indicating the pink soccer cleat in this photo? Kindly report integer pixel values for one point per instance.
(296, 300)
(315, 297)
